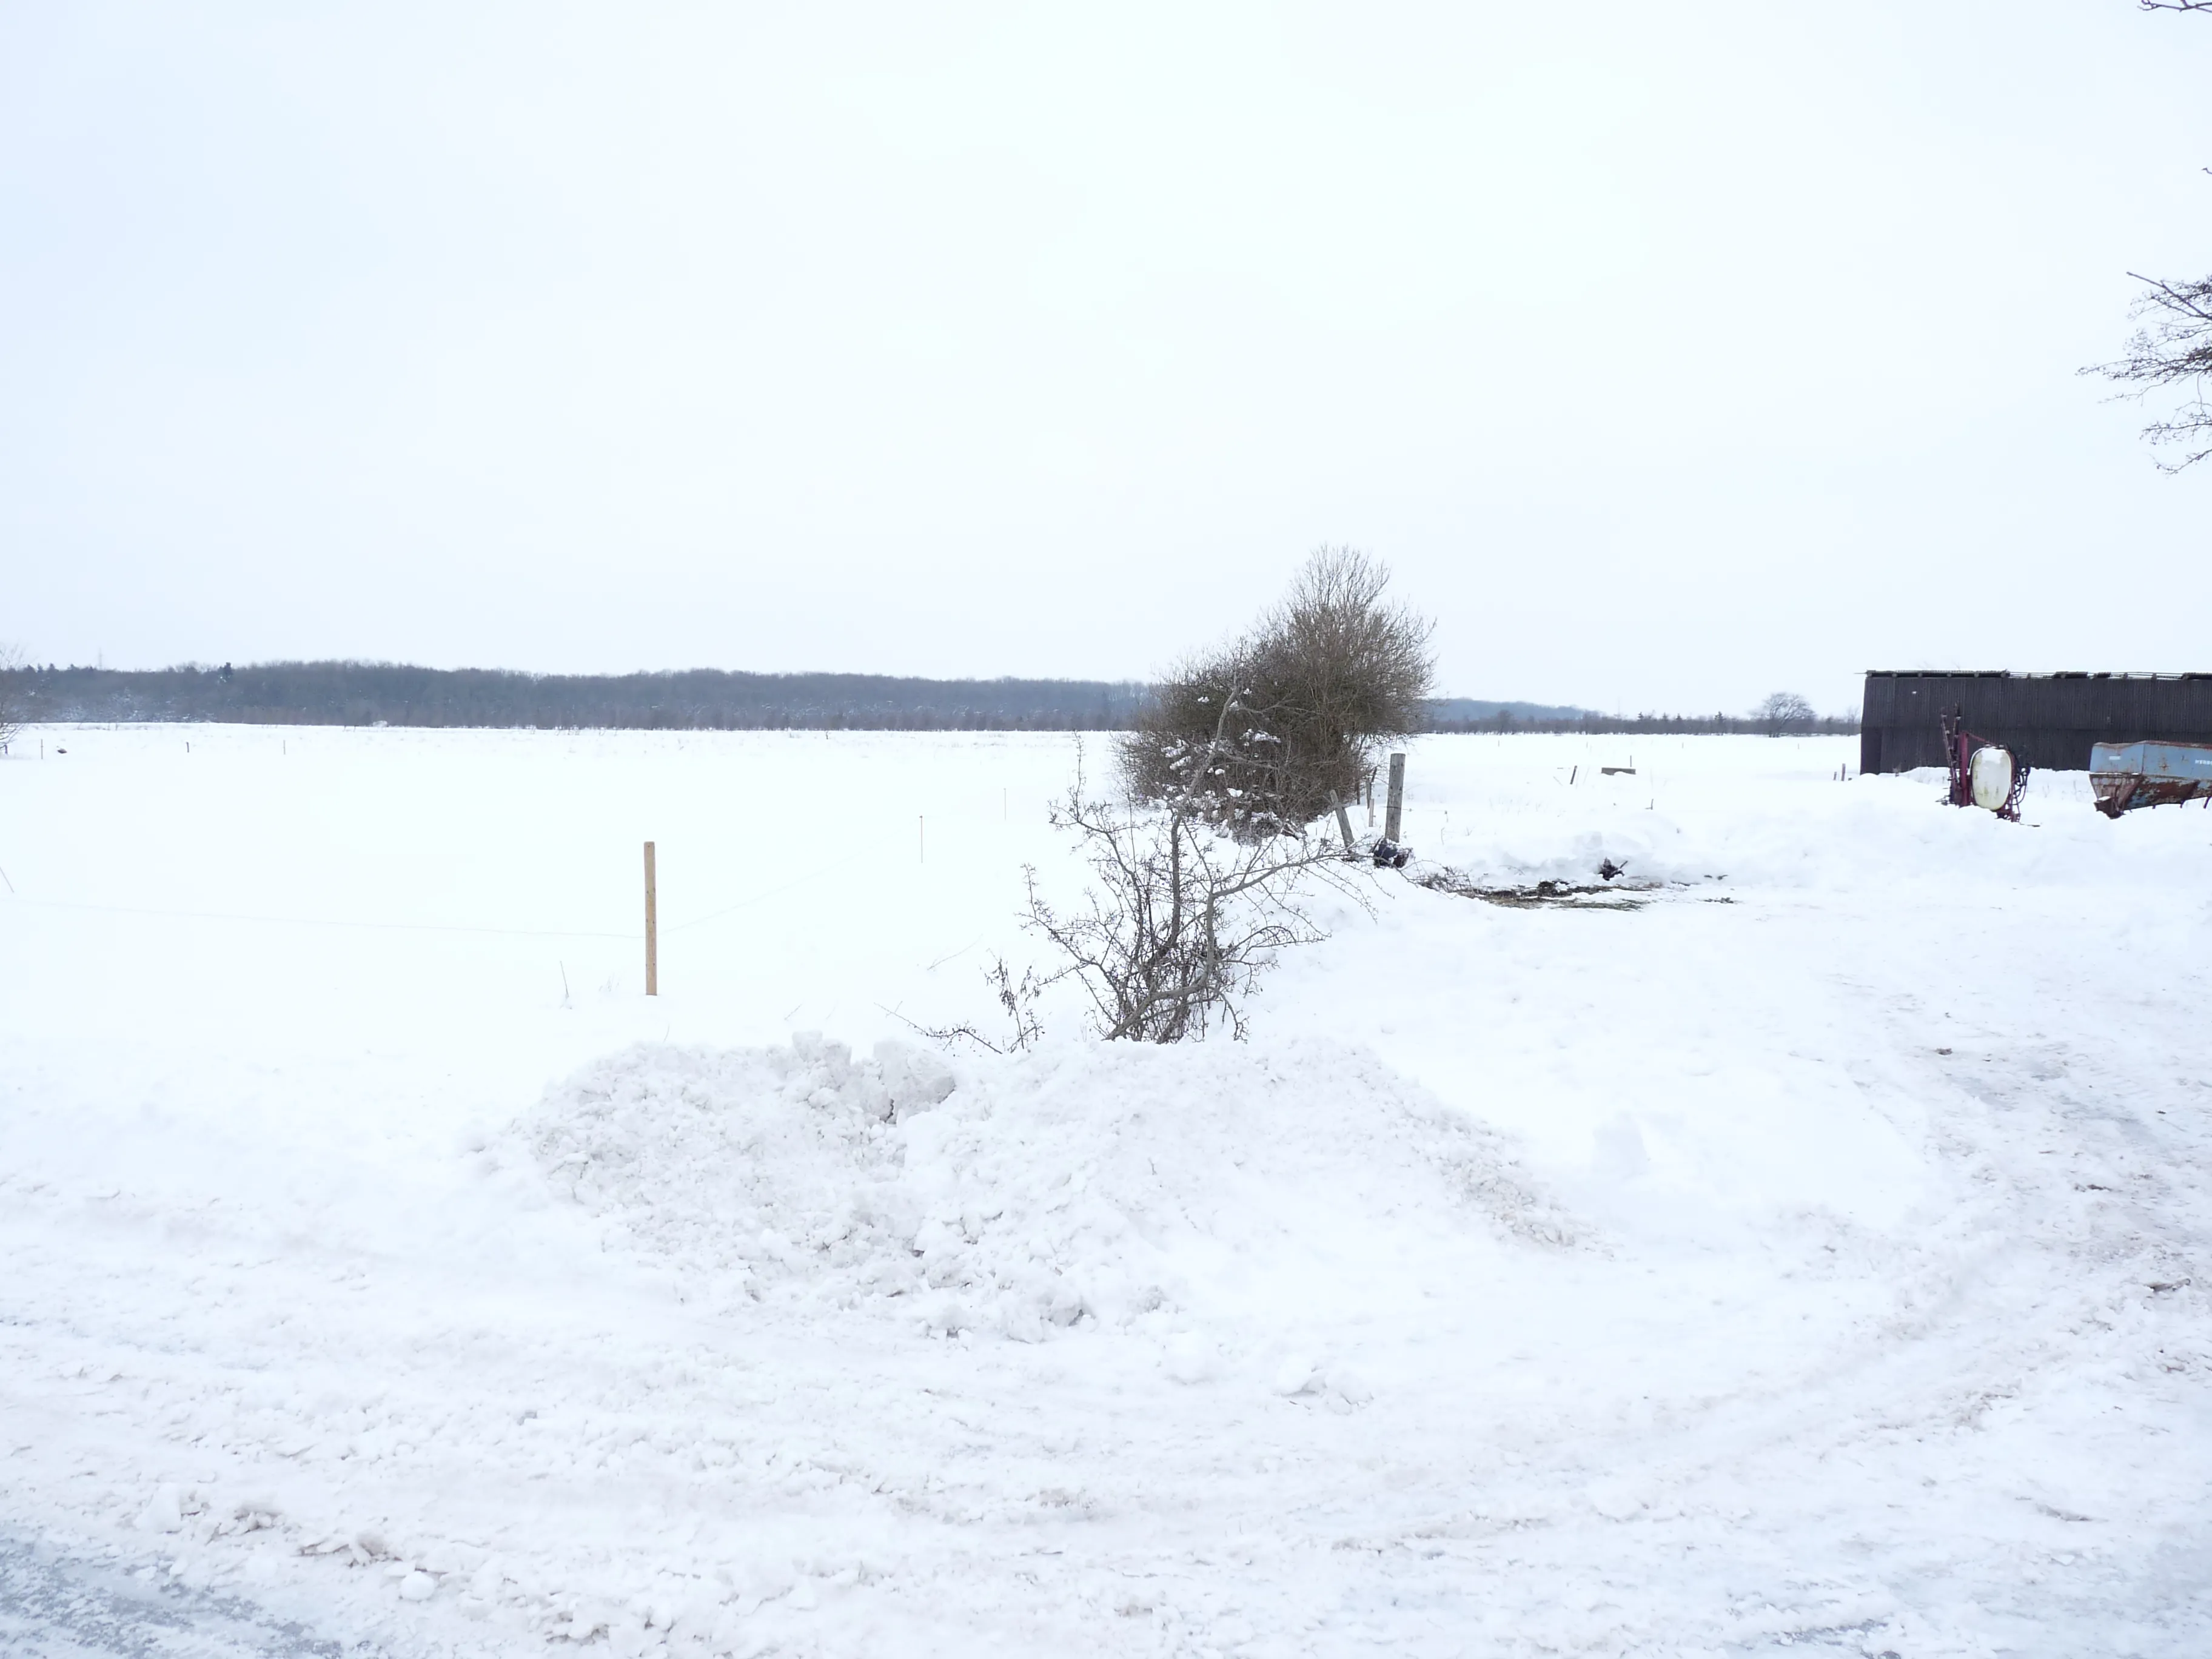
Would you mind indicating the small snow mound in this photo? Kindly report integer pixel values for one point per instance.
(1025, 1195)
(164, 1511)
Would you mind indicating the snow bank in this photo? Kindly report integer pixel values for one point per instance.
(1019, 1196)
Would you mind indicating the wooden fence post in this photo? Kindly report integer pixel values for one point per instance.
(1394, 811)
(652, 928)
(1343, 822)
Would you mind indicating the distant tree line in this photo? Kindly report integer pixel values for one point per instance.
(364, 694)
(1664, 725)
(391, 694)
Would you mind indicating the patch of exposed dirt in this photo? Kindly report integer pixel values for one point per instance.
(1543, 895)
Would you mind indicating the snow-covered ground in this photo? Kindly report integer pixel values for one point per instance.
(1814, 1255)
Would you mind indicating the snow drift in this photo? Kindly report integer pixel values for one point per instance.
(1023, 1195)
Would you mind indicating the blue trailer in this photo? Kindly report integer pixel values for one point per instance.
(2126, 776)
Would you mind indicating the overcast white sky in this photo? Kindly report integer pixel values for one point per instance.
(1669, 355)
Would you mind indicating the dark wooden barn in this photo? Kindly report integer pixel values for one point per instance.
(2046, 719)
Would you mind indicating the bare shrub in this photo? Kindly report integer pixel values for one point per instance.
(1202, 874)
(1179, 924)
(1018, 999)
(1323, 680)
(1182, 920)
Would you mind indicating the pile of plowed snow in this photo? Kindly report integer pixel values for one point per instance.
(1109, 1183)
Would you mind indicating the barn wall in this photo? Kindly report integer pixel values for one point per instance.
(2046, 719)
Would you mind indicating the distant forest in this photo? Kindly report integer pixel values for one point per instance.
(1448, 719)
(390, 694)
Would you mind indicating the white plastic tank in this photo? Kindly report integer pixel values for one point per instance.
(1993, 773)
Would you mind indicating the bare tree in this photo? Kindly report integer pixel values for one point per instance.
(11, 693)
(1322, 681)
(2174, 350)
(1785, 711)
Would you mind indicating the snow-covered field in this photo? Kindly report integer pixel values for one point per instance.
(1816, 1254)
